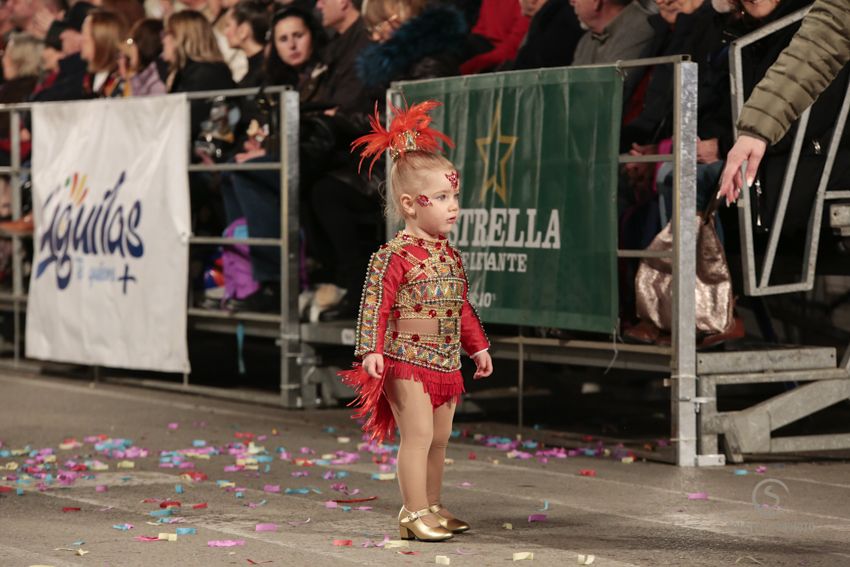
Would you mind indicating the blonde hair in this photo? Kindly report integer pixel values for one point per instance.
(377, 11)
(193, 39)
(406, 177)
(25, 52)
(108, 32)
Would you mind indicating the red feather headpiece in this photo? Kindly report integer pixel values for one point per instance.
(409, 131)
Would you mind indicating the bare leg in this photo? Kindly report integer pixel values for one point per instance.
(443, 417)
(414, 416)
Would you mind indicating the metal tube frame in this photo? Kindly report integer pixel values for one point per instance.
(762, 287)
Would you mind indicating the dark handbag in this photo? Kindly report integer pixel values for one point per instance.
(715, 301)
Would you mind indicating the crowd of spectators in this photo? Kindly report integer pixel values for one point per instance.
(341, 55)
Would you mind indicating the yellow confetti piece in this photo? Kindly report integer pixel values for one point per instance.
(82, 552)
(328, 456)
(495, 461)
(627, 460)
(167, 537)
(586, 559)
(50, 459)
(227, 485)
(343, 439)
(449, 461)
(126, 465)
(246, 462)
(524, 556)
(13, 466)
(442, 560)
(252, 467)
(254, 449)
(202, 456)
(508, 526)
(384, 476)
(396, 543)
(99, 467)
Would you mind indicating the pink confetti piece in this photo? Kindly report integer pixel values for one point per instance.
(697, 496)
(299, 474)
(461, 551)
(537, 518)
(147, 538)
(465, 485)
(342, 543)
(330, 504)
(225, 542)
(173, 426)
(273, 488)
(363, 508)
(265, 528)
(761, 469)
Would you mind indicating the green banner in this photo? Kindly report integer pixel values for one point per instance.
(537, 154)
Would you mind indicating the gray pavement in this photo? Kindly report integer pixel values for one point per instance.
(627, 514)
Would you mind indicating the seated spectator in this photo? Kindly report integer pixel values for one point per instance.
(103, 35)
(414, 41)
(194, 61)
(67, 84)
(616, 30)
(33, 16)
(143, 48)
(297, 42)
(246, 28)
(21, 67)
(496, 36)
(552, 35)
(295, 49)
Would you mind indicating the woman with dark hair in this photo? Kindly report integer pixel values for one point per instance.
(103, 33)
(246, 29)
(142, 50)
(297, 42)
(255, 195)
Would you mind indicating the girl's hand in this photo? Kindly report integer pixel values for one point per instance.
(483, 364)
(373, 364)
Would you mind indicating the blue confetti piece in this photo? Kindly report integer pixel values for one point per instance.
(160, 513)
(122, 527)
(178, 489)
(265, 459)
(330, 429)
(4, 453)
(455, 433)
(545, 506)
(187, 531)
(741, 472)
(199, 443)
(297, 491)
(240, 495)
(267, 469)
(78, 543)
(322, 462)
(345, 508)
(341, 474)
(19, 492)
(222, 482)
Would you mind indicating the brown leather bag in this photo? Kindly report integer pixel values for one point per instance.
(714, 299)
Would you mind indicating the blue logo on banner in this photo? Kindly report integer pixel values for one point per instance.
(76, 229)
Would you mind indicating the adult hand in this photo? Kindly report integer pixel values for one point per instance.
(373, 364)
(708, 151)
(483, 365)
(748, 149)
(245, 156)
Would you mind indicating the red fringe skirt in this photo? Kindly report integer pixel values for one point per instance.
(372, 403)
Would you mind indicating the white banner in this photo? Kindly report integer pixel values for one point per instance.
(111, 205)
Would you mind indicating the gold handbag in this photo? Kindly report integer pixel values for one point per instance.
(714, 299)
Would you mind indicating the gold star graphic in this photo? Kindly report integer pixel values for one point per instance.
(498, 182)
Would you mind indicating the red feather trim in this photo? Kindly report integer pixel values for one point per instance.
(409, 131)
(442, 387)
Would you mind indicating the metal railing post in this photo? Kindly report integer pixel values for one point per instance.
(17, 249)
(290, 328)
(683, 364)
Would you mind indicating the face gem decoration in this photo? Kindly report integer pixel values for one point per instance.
(423, 200)
(453, 178)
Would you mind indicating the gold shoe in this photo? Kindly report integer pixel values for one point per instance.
(411, 526)
(452, 524)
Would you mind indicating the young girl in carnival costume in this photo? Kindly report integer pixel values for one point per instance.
(414, 319)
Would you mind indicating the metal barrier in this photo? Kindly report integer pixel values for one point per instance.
(283, 327)
(750, 431)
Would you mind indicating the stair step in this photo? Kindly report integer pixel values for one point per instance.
(775, 359)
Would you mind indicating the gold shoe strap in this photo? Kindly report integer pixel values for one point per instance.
(413, 516)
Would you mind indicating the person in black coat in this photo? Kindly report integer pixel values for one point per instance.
(552, 35)
(246, 28)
